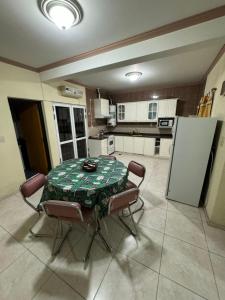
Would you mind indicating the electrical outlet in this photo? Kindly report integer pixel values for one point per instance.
(2, 139)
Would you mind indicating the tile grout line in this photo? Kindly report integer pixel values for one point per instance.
(33, 254)
(186, 288)
(210, 260)
(157, 290)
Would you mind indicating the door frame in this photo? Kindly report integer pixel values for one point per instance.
(73, 129)
(43, 125)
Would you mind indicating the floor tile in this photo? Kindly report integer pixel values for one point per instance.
(23, 279)
(186, 229)
(218, 263)
(145, 249)
(10, 249)
(169, 290)
(127, 279)
(71, 268)
(56, 289)
(215, 238)
(189, 266)
(185, 210)
(153, 199)
(42, 247)
(153, 218)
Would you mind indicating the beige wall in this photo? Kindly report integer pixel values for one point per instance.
(20, 83)
(216, 194)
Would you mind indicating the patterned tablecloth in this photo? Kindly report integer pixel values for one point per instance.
(69, 182)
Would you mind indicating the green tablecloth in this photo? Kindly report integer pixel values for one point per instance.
(68, 182)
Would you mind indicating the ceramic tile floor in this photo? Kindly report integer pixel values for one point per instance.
(176, 256)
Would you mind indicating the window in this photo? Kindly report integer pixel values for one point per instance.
(152, 110)
(121, 112)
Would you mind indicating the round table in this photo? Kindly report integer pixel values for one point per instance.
(68, 182)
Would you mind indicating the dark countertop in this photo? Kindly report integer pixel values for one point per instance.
(146, 135)
(94, 137)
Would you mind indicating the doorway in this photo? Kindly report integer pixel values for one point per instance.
(30, 132)
(71, 131)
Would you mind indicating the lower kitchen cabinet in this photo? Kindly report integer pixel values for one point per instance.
(128, 144)
(149, 146)
(138, 145)
(119, 143)
(97, 147)
(165, 147)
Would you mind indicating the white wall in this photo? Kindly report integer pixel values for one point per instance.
(216, 194)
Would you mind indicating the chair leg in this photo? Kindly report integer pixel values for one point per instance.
(89, 247)
(127, 227)
(59, 246)
(136, 210)
(38, 234)
(109, 248)
(133, 222)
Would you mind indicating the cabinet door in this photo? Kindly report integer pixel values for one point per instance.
(131, 112)
(105, 107)
(121, 112)
(142, 111)
(119, 143)
(172, 108)
(163, 109)
(152, 111)
(138, 145)
(165, 147)
(104, 147)
(167, 108)
(149, 146)
(128, 145)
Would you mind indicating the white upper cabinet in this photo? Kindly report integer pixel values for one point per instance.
(153, 111)
(131, 112)
(101, 108)
(142, 111)
(127, 112)
(146, 111)
(121, 112)
(167, 108)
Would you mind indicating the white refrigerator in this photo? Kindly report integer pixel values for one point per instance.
(192, 144)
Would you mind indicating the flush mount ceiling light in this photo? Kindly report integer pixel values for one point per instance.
(63, 13)
(155, 96)
(133, 76)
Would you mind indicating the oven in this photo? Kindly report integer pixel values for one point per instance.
(166, 122)
(111, 144)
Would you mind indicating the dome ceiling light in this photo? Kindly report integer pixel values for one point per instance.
(133, 76)
(63, 13)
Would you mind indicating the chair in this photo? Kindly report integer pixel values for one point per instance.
(111, 157)
(121, 201)
(27, 189)
(71, 212)
(138, 170)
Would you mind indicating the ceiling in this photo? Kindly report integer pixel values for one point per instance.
(29, 38)
(186, 65)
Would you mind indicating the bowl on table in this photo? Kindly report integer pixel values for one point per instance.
(89, 166)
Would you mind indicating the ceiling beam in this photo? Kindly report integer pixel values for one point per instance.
(162, 30)
(148, 49)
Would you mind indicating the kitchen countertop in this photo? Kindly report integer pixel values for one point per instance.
(146, 135)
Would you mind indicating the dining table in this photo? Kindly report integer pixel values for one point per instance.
(69, 182)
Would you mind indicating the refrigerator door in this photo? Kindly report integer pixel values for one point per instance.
(192, 145)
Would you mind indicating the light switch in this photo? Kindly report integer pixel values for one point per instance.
(2, 139)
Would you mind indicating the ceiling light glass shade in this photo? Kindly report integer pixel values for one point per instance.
(133, 76)
(63, 13)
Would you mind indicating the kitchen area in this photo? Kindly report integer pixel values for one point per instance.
(143, 128)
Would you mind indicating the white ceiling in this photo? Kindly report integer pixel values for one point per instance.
(29, 38)
(182, 66)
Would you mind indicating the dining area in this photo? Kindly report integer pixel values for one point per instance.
(86, 192)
